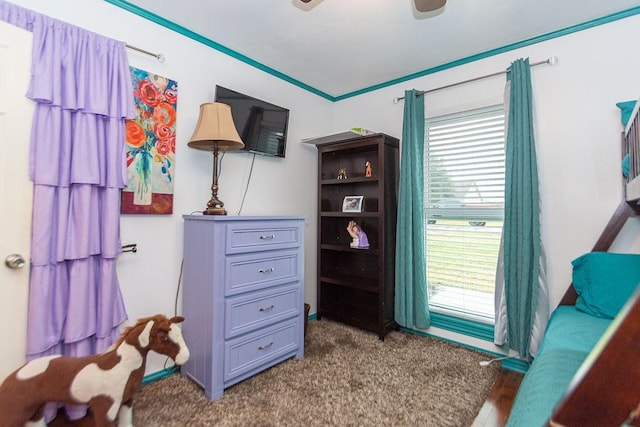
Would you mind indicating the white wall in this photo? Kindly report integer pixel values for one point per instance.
(578, 136)
(578, 131)
(149, 278)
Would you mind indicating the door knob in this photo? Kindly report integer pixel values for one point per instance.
(14, 261)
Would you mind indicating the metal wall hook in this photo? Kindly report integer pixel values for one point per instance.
(130, 248)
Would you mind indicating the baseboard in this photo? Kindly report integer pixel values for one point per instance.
(160, 375)
(516, 365)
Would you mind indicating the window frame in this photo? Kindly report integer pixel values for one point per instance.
(441, 317)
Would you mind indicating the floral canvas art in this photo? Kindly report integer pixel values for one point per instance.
(151, 145)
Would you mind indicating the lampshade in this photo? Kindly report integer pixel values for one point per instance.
(215, 129)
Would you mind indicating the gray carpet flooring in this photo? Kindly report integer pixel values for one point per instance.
(347, 377)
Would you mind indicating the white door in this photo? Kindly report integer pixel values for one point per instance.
(16, 112)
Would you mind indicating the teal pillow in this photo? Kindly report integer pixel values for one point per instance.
(626, 108)
(625, 165)
(604, 281)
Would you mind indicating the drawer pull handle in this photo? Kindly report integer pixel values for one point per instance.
(264, 347)
(266, 308)
(266, 270)
(268, 237)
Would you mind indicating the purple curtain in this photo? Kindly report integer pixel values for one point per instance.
(81, 84)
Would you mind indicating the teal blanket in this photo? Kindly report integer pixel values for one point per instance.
(570, 336)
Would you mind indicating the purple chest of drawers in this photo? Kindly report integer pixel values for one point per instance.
(243, 296)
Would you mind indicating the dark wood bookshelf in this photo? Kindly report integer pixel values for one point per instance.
(356, 286)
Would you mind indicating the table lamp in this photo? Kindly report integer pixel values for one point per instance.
(215, 132)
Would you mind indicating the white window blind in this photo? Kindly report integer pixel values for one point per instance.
(270, 137)
(464, 209)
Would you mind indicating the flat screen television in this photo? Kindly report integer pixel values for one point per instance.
(261, 125)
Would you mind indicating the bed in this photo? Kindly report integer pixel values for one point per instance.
(604, 391)
(587, 370)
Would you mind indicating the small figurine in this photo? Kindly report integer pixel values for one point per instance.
(360, 239)
(367, 169)
(342, 173)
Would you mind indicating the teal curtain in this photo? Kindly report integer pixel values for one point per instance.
(521, 216)
(411, 304)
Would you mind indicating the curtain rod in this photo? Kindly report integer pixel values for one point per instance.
(158, 56)
(551, 61)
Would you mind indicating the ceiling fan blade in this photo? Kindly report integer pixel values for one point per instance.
(428, 5)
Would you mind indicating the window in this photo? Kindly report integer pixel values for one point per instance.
(464, 211)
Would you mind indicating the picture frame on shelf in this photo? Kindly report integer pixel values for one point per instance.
(352, 204)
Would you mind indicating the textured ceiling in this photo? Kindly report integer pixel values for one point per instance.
(338, 47)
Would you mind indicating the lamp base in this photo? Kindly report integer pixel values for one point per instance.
(214, 211)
